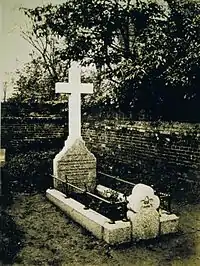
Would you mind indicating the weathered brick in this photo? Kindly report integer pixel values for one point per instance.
(137, 140)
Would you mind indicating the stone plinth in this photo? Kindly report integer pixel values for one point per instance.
(168, 223)
(145, 224)
(76, 165)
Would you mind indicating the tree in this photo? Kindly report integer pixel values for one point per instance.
(5, 88)
(33, 83)
(49, 48)
(34, 92)
(146, 50)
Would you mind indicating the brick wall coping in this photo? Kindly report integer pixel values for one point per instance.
(149, 127)
(32, 118)
(140, 126)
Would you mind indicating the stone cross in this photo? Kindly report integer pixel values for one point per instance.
(74, 88)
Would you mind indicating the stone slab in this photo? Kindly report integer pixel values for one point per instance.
(76, 164)
(168, 223)
(88, 219)
(117, 233)
(97, 224)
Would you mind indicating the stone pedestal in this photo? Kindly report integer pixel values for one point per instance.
(76, 165)
(142, 212)
(145, 224)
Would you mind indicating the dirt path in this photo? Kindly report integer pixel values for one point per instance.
(36, 233)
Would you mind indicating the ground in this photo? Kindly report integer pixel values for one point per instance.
(36, 233)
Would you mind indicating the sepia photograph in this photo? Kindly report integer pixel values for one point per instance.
(100, 132)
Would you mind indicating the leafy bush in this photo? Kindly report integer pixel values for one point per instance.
(30, 171)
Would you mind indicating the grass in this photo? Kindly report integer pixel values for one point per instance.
(36, 233)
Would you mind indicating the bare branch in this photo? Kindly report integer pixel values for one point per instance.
(39, 45)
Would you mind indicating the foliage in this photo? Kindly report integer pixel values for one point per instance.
(34, 83)
(36, 80)
(30, 172)
(146, 52)
(49, 48)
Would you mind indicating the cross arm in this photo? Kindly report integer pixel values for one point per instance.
(62, 87)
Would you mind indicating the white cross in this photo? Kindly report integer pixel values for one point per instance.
(74, 87)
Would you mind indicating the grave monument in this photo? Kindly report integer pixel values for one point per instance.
(75, 163)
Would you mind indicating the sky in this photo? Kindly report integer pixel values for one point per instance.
(14, 50)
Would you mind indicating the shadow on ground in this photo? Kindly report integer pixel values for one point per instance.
(11, 238)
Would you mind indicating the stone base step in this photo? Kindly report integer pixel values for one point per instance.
(101, 226)
(97, 224)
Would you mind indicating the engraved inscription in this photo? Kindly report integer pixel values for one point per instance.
(78, 167)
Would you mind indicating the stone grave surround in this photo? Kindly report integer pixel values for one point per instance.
(75, 163)
(144, 220)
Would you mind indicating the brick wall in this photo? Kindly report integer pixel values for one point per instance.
(16, 132)
(142, 150)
